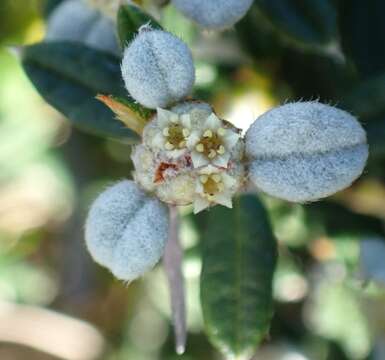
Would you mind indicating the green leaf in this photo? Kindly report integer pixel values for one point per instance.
(258, 36)
(306, 22)
(128, 112)
(368, 98)
(334, 220)
(375, 130)
(362, 29)
(130, 19)
(69, 76)
(239, 257)
(135, 107)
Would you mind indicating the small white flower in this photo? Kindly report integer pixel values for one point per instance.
(172, 132)
(211, 143)
(166, 162)
(213, 186)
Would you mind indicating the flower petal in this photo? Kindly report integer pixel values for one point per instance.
(200, 204)
(228, 181)
(223, 199)
(198, 159)
(193, 139)
(186, 120)
(222, 160)
(212, 122)
(199, 189)
(230, 139)
(158, 141)
(208, 170)
(175, 153)
(164, 117)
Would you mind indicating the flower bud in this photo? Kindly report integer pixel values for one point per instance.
(126, 230)
(74, 20)
(305, 151)
(214, 14)
(157, 68)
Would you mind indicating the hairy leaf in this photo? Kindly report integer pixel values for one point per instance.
(239, 258)
(69, 76)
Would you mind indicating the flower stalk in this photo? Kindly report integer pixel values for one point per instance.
(172, 261)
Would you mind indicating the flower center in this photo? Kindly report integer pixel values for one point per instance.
(212, 184)
(211, 144)
(175, 136)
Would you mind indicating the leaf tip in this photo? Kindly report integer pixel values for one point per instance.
(124, 112)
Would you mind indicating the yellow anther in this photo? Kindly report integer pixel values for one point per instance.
(212, 154)
(210, 197)
(221, 150)
(203, 179)
(182, 144)
(221, 132)
(166, 131)
(208, 134)
(186, 132)
(169, 146)
(216, 177)
(200, 148)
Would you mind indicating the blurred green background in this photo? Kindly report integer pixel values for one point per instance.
(55, 303)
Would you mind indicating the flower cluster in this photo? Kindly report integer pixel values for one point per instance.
(189, 155)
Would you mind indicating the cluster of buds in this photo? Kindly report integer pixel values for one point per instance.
(190, 156)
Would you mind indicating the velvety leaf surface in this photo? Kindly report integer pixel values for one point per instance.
(130, 19)
(69, 76)
(239, 256)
